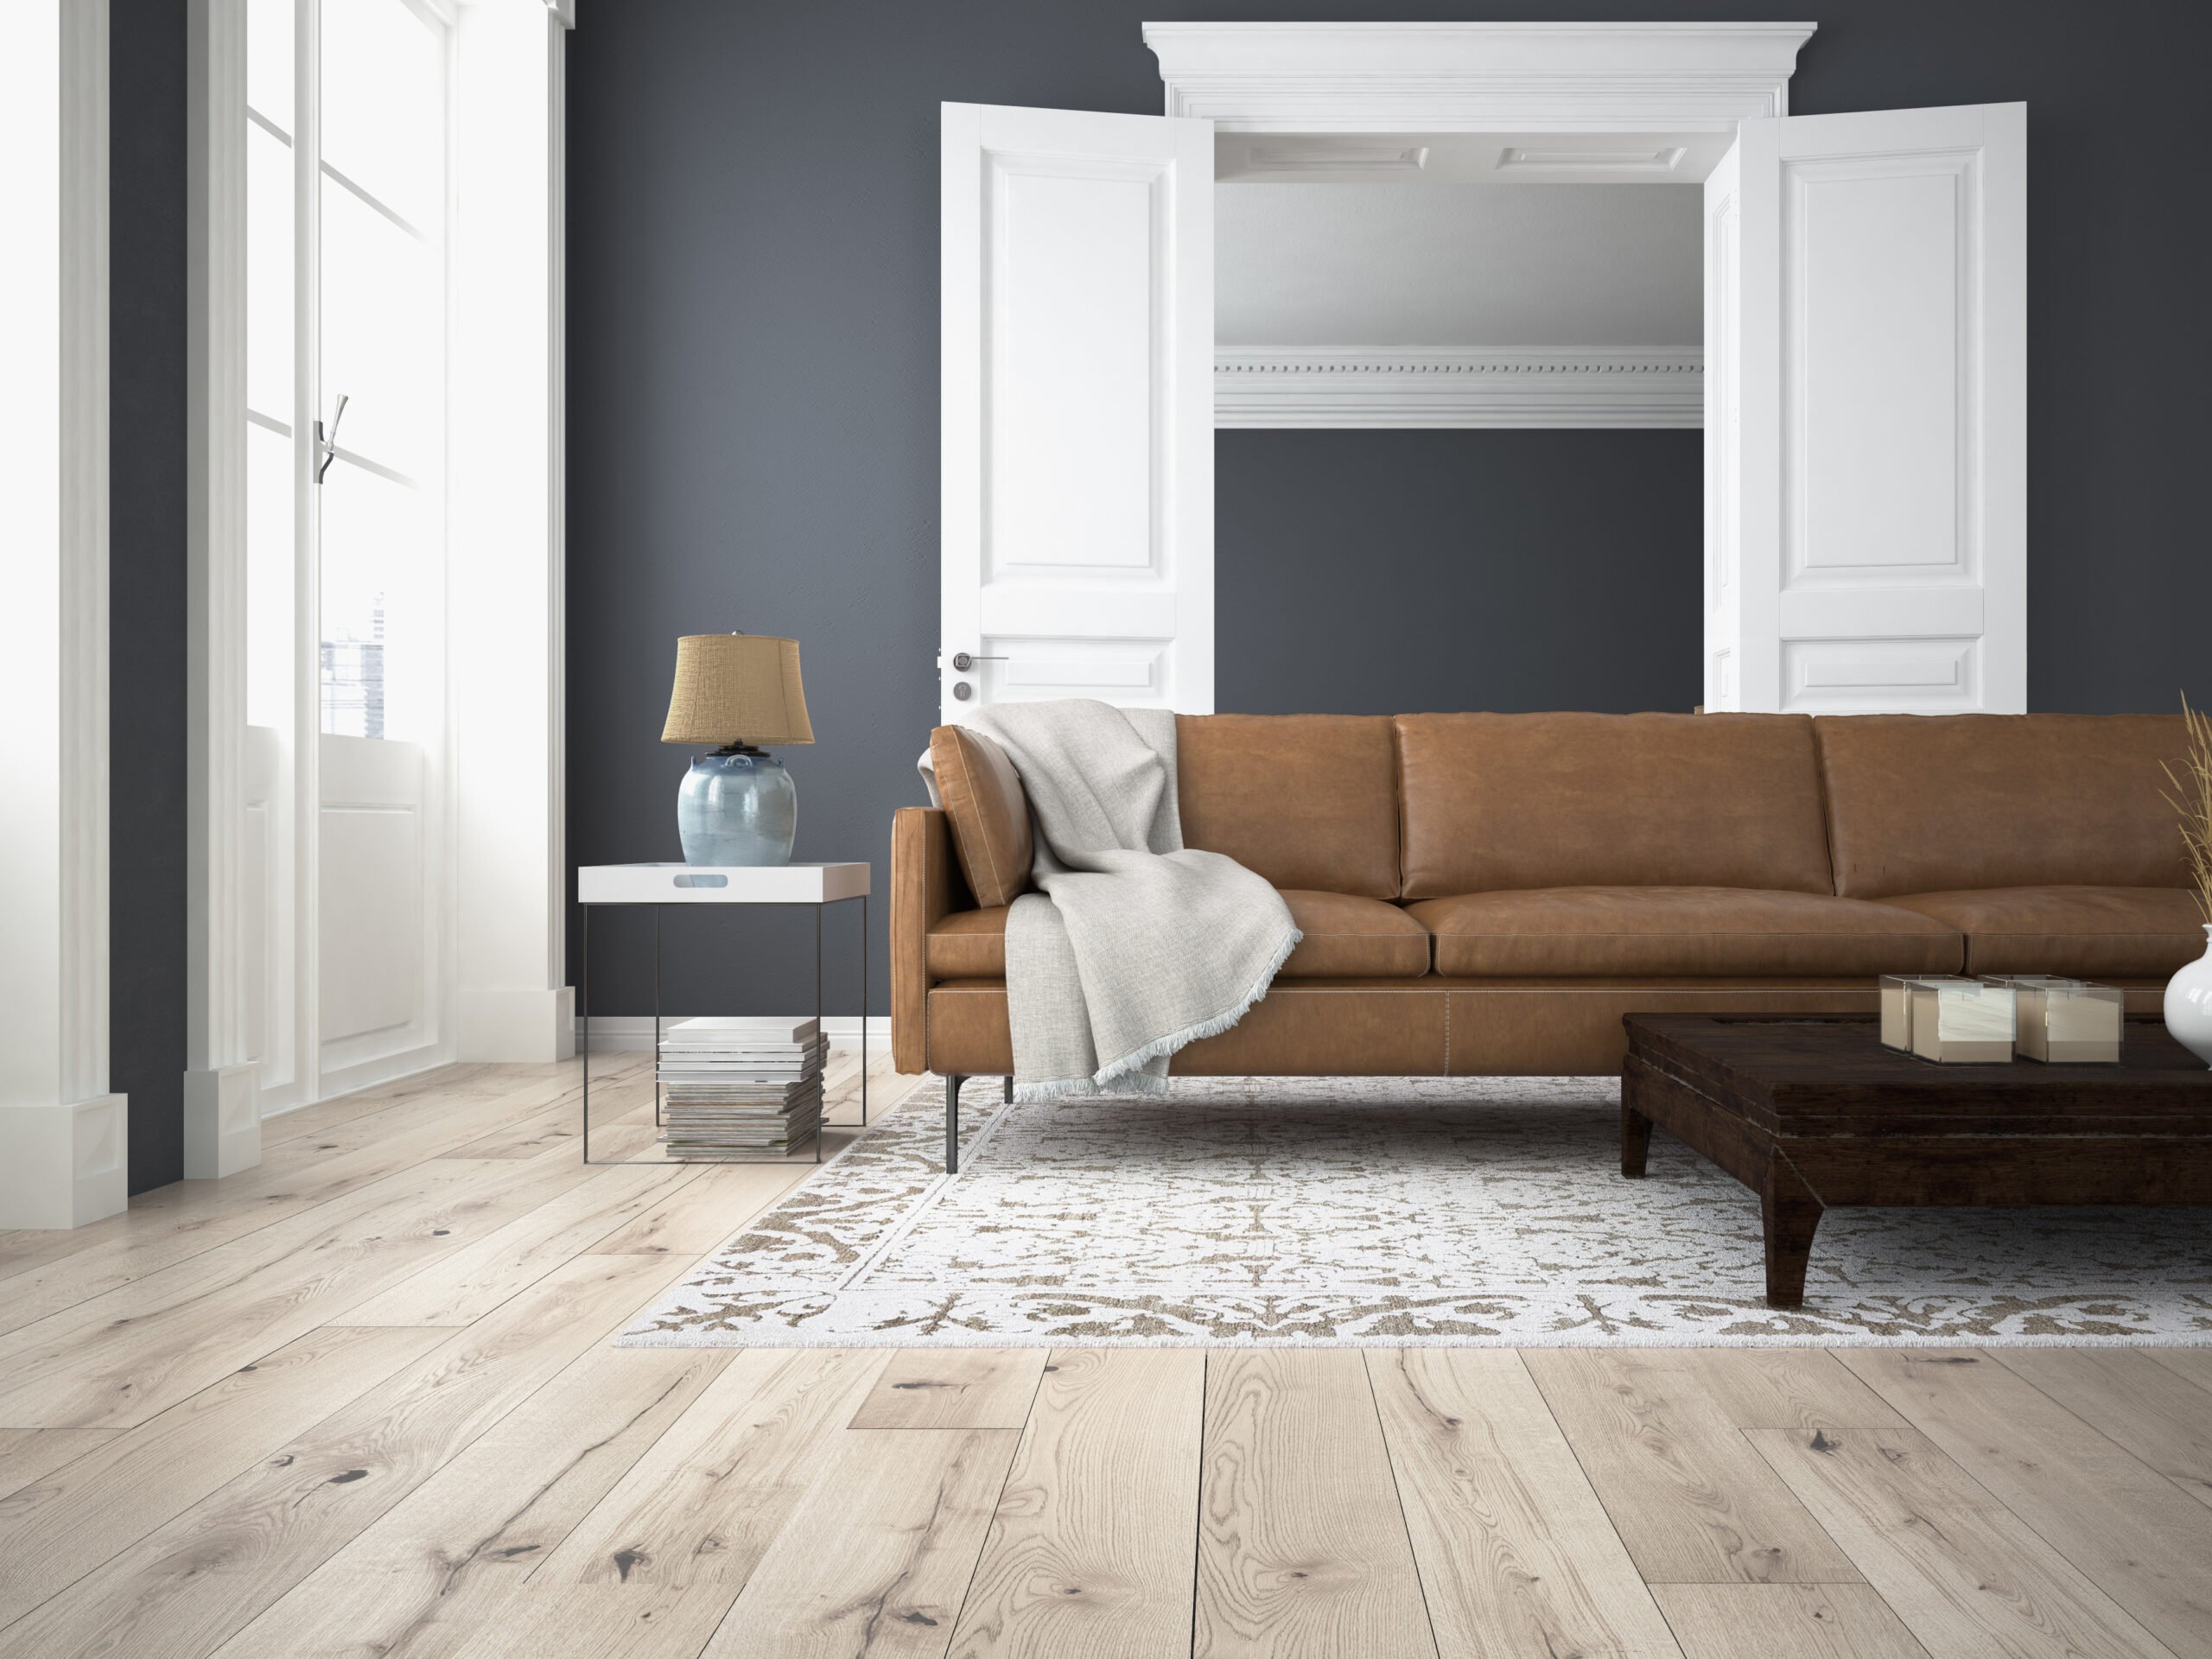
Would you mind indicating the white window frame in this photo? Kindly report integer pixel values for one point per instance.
(506, 953)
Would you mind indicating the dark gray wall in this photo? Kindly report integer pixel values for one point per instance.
(753, 402)
(146, 637)
(1379, 573)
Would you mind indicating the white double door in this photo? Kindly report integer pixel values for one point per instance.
(344, 880)
(1866, 414)
(1866, 509)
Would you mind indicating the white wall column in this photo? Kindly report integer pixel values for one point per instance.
(506, 494)
(63, 1136)
(222, 1111)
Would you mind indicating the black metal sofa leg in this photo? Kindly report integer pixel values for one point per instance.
(1009, 1091)
(952, 1083)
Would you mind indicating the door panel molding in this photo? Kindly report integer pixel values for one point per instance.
(1077, 407)
(1876, 469)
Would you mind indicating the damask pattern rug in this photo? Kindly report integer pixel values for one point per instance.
(1239, 1211)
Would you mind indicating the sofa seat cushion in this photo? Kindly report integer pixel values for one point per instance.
(1583, 931)
(2088, 932)
(1353, 938)
(1345, 939)
(967, 944)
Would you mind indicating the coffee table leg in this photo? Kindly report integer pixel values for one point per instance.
(1790, 1213)
(1635, 1140)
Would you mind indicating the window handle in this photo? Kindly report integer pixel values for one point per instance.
(326, 449)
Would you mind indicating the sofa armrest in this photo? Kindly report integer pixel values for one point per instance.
(925, 886)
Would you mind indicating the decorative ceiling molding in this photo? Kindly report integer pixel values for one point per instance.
(1576, 162)
(1262, 77)
(1367, 386)
(1333, 156)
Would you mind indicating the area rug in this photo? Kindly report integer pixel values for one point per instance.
(1245, 1211)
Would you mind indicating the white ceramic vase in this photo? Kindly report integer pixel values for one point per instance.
(2189, 1004)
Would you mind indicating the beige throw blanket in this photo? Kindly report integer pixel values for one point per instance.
(1133, 944)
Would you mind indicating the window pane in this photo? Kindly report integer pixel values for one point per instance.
(383, 613)
(383, 336)
(269, 566)
(383, 105)
(269, 275)
(268, 59)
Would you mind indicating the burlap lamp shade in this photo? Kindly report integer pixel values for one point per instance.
(737, 687)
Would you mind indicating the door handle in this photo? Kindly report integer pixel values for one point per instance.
(962, 661)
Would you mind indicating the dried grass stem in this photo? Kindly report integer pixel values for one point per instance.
(2191, 795)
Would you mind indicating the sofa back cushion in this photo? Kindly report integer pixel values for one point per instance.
(1500, 801)
(1308, 801)
(1941, 802)
(983, 796)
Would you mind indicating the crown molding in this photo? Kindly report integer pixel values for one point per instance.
(1263, 77)
(1359, 386)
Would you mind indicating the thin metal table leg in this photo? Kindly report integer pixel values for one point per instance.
(864, 1011)
(657, 1117)
(822, 1112)
(583, 996)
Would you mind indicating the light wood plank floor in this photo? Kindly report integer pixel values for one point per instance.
(360, 1401)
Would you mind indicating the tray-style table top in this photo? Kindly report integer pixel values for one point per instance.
(1812, 1114)
(1818, 1066)
(720, 884)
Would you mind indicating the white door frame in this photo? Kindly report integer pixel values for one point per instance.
(1571, 77)
(1477, 77)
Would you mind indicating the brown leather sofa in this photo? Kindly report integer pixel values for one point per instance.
(1489, 893)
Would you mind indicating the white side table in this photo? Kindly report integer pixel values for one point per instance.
(658, 884)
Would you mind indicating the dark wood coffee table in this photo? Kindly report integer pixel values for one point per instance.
(1814, 1113)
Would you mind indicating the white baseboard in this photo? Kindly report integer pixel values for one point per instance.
(613, 1033)
(222, 1121)
(64, 1165)
(526, 1027)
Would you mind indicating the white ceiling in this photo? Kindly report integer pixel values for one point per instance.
(1439, 264)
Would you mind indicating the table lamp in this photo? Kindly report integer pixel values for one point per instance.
(737, 692)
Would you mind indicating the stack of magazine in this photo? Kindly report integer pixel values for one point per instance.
(741, 1087)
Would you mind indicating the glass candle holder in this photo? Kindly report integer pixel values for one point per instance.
(1958, 1021)
(1898, 1004)
(2065, 1021)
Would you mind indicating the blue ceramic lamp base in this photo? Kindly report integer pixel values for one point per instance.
(737, 806)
